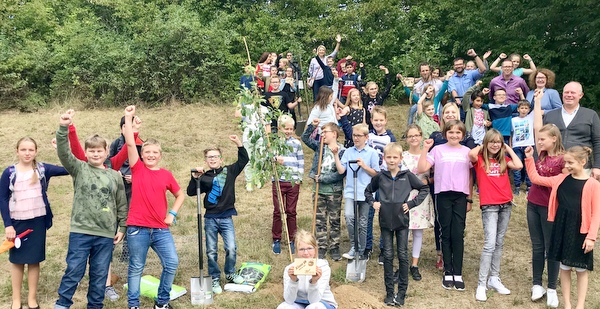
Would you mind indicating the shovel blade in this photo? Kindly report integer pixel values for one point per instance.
(201, 290)
(356, 271)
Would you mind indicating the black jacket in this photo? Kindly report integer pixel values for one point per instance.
(226, 201)
(393, 192)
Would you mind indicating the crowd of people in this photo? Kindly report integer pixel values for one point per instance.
(463, 140)
(484, 137)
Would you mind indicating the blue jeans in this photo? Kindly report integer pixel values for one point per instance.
(212, 228)
(519, 174)
(82, 247)
(388, 260)
(363, 212)
(411, 114)
(495, 223)
(139, 240)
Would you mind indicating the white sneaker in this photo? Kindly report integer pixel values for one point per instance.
(552, 298)
(537, 292)
(349, 255)
(480, 294)
(216, 287)
(496, 284)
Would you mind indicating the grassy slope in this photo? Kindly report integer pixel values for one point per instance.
(184, 131)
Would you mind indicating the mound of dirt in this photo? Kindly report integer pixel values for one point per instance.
(348, 296)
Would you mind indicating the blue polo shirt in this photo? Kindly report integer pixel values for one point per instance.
(371, 159)
(462, 83)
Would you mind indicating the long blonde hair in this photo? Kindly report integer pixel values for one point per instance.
(500, 156)
(349, 100)
(552, 131)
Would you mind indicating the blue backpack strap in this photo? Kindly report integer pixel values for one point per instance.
(41, 170)
(11, 178)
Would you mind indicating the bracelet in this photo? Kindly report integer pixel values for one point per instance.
(173, 212)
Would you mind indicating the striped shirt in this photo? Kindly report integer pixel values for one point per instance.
(294, 160)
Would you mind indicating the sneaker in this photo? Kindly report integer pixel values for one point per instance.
(368, 252)
(399, 300)
(134, 307)
(276, 246)
(389, 301)
(381, 258)
(414, 272)
(496, 284)
(349, 255)
(447, 281)
(111, 293)
(335, 254)
(459, 284)
(322, 253)
(216, 287)
(235, 278)
(537, 292)
(516, 191)
(551, 298)
(480, 294)
(165, 306)
(293, 247)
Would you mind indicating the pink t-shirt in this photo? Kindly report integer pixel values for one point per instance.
(551, 166)
(451, 166)
(149, 205)
(494, 187)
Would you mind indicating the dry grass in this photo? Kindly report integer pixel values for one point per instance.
(184, 131)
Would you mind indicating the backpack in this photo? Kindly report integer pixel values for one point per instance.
(41, 171)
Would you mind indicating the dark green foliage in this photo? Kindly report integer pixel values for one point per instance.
(107, 52)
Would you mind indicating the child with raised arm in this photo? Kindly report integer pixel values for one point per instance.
(477, 119)
(452, 172)
(575, 210)
(491, 166)
(426, 112)
(99, 209)
(367, 160)
(24, 205)
(218, 182)
(149, 217)
(290, 188)
(394, 187)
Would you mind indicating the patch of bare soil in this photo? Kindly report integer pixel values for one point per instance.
(349, 296)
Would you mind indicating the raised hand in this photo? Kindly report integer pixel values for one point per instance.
(362, 65)
(471, 53)
(486, 91)
(479, 83)
(529, 152)
(338, 38)
(527, 57)
(316, 122)
(130, 111)
(66, 120)
(234, 138)
(487, 54)
(519, 91)
(502, 56)
(428, 143)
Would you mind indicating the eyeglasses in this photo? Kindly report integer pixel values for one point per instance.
(358, 135)
(309, 249)
(325, 132)
(505, 67)
(213, 157)
(495, 142)
(413, 136)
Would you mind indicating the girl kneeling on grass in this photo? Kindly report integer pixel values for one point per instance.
(496, 204)
(575, 210)
(24, 205)
(306, 291)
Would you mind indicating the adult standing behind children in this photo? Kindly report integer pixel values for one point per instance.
(149, 217)
(24, 205)
(508, 82)
(367, 160)
(578, 125)
(99, 207)
(314, 69)
(543, 79)
(394, 188)
(218, 182)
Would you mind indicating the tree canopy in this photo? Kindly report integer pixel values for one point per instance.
(106, 52)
